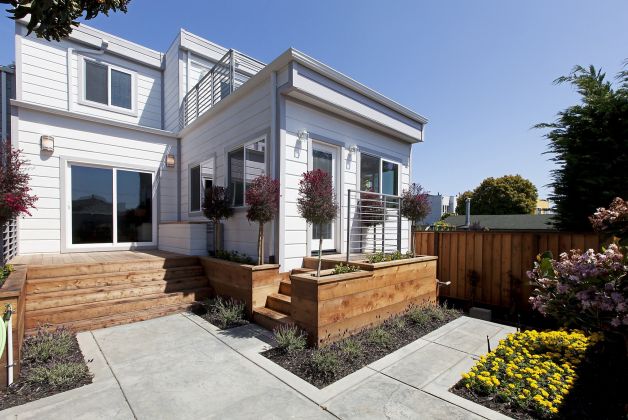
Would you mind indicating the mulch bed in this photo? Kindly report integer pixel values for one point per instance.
(598, 393)
(22, 391)
(402, 332)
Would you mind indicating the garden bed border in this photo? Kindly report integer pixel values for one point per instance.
(13, 293)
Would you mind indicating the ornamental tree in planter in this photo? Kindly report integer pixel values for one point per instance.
(372, 213)
(317, 203)
(262, 197)
(217, 206)
(414, 207)
(15, 194)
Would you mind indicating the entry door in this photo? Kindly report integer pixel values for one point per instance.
(324, 158)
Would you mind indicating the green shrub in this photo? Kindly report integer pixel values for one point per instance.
(226, 313)
(397, 323)
(342, 269)
(351, 348)
(380, 337)
(234, 256)
(392, 256)
(4, 272)
(58, 375)
(48, 345)
(290, 338)
(325, 363)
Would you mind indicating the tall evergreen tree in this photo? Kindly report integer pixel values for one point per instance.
(589, 143)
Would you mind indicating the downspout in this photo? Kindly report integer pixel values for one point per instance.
(103, 47)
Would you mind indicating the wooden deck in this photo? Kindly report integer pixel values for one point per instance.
(90, 257)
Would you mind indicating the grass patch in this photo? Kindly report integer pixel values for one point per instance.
(326, 365)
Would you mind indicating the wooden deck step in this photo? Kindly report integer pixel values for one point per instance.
(67, 315)
(301, 270)
(38, 301)
(279, 302)
(66, 270)
(121, 319)
(88, 281)
(285, 287)
(270, 319)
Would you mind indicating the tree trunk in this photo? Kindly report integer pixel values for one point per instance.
(216, 236)
(320, 250)
(412, 240)
(260, 245)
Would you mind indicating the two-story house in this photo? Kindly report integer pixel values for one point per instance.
(123, 140)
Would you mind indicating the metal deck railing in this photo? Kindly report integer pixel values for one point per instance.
(229, 73)
(373, 223)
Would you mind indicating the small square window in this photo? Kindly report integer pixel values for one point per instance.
(108, 86)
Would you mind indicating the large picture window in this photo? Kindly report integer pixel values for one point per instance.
(378, 175)
(245, 164)
(108, 85)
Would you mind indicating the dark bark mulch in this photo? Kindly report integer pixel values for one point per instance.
(23, 391)
(326, 365)
(600, 392)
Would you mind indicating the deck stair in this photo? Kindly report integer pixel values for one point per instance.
(103, 294)
(278, 305)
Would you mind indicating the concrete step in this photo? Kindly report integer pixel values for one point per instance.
(279, 302)
(270, 319)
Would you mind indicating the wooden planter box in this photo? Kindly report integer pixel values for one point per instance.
(13, 292)
(250, 284)
(332, 307)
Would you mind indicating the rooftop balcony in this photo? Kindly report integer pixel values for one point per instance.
(228, 74)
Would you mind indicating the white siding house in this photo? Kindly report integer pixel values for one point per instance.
(118, 112)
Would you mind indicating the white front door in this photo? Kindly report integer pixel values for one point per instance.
(324, 157)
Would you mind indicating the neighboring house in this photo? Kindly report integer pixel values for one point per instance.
(123, 140)
(439, 205)
(505, 221)
(543, 206)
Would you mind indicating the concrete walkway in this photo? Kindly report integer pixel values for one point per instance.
(181, 367)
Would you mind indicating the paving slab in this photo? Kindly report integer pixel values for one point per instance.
(381, 397)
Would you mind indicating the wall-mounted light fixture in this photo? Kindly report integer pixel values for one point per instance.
(170, 161)
(47, 144)
(353, 149)
(303, 135)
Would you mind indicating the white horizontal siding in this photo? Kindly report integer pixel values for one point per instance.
(222, 132)
(82, 140)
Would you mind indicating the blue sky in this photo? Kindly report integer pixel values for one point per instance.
(481, 71)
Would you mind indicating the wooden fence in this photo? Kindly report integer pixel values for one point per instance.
(490, 267)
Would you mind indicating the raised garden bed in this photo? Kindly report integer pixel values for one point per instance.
(52, 362)
(325, 365)
(559, 375)
(225, 313)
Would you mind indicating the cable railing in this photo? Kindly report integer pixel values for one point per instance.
(229, 73)
(373, 223)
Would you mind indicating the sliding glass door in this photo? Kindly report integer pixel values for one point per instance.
(110, 206)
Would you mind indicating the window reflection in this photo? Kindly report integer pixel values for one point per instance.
(92, 205)
(135, 206)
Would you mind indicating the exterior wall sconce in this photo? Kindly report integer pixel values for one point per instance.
(303, 135)
(353, 149)
(47, 144)
(170, 161)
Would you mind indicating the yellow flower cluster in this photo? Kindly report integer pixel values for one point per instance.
(532, 370)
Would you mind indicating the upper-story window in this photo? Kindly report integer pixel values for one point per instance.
(108, 86)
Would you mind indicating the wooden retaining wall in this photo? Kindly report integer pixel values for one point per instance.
(13, 293)
(334, 306)
(490, 267)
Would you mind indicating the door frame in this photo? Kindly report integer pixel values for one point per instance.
(337, 224)
(66, 206)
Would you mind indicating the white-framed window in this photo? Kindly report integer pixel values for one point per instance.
(245, 163)
(378, 175)
(201, 178)
(107, 86)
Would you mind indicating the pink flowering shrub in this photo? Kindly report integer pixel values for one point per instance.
(583, 290)
(15, 194)
(587, 289)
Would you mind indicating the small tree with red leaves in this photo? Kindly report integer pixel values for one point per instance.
(317, 203)
(217, 206)
(262, 197)
(15, 194)
(414, 207)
